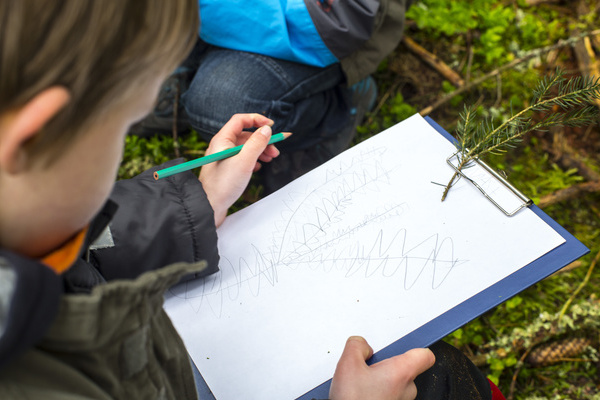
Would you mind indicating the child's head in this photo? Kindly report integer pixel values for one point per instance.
(74, 74)
(100, 51)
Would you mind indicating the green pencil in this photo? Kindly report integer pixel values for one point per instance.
(221, 155)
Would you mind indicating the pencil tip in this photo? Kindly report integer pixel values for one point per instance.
(287, 134)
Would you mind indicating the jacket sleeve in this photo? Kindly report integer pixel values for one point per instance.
(343, 25)
(158, 222)
(387, 33)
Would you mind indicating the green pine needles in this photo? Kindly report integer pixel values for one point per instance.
(557, 100)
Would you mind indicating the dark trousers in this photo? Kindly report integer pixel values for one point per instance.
(453, 377)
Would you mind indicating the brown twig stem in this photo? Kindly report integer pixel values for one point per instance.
(513, 63)
(581, 286)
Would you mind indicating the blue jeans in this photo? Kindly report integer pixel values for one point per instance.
(311, 102)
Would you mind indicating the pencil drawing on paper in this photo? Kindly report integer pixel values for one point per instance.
(313, 233)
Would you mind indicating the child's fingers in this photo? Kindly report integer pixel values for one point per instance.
(256, 145)
(357, 351)
(233, 133)
(414, 362)
(269, 154)
(351, 368)
(240, 122)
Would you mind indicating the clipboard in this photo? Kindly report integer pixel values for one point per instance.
(484, 301)
(461, 314)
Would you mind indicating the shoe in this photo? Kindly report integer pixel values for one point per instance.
(160, 120)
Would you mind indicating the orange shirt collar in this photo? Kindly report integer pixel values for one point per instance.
(62, 258)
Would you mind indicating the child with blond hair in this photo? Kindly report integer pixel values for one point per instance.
(84, 262)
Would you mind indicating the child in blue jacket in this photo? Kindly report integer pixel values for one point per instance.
(306, 64)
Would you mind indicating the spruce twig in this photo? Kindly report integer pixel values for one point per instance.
(573, 97)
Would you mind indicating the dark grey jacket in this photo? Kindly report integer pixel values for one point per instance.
(99, 330)
(388, 28)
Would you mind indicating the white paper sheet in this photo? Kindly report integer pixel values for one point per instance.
(359, 246)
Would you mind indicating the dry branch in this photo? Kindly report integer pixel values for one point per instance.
(584, 53)
(569, 193)
(433, 61)
(581, 286)
(537, 2)
(513, 381)
(513, 63)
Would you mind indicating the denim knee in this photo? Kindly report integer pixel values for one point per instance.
(229, 82)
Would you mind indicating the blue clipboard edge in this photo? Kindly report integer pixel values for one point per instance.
(482, 302)
(468, 310)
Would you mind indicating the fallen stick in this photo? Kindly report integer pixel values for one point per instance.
(584, 53)
(513, 63)
(433, 61)
(569, 193)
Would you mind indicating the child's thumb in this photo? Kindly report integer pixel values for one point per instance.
(256, 144)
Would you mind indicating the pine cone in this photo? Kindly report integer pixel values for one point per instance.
(550, 353)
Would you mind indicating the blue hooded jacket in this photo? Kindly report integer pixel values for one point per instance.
(313, 32)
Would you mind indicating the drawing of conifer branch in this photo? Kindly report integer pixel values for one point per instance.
(573, 97)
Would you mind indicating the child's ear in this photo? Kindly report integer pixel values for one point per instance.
(26, 122)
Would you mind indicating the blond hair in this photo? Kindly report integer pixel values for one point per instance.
(100, 50)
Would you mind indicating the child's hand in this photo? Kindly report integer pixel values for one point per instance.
(224, 181)
(388, 379)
